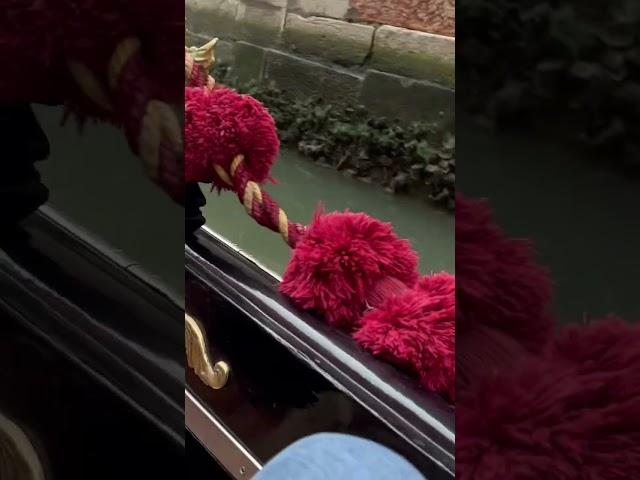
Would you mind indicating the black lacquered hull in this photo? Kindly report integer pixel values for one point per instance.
(292, 376)
(78, 427)
(91, 357)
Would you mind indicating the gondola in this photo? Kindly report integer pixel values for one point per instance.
(92, 355)
(90, 348)
(120, 344)
(96, 354)
(264, 368)
(284, 375)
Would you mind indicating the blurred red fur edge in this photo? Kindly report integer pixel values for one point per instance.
(572, 411)
(39, 39)
(499, 283)
(535, 400)
(416, 332)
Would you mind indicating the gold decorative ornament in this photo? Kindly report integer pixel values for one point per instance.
(204, 55)
(214, 375)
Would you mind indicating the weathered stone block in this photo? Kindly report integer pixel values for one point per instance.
(224, 53)
(260, 23)
(414, 54)
(323, 8)
(303, 78)
(394, 96)
(335, 40)
(249, 62)
(213, 18)
(273, 3)
(194, 39)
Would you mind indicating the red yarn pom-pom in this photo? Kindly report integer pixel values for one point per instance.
(572, 413)
(416, 332)
(221, 124)
(343, 262)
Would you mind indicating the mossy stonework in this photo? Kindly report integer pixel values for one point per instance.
(303, 78)
(374, 101)
(217, 16)
(341, 42)
(250, 61)
(415, 55)
(329, 48)
(260, 24)
(414, 157)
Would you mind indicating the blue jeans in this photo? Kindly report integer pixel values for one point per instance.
(334, 456)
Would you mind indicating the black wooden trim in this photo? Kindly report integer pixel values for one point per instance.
(124, 332)
(425, 421)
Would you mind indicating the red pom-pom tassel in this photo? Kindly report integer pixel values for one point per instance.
(221, 124)
(571, 412)
(342, 263)
(416, 332)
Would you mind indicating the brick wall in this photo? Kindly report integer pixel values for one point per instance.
(433, 16)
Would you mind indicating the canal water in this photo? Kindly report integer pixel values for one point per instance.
(303, 185)
(104, 190)
(572, 204)
(97, 184)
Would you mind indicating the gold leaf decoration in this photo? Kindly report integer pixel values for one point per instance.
(213, 375)
(204, 55)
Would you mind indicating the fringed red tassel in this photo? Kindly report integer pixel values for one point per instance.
(416, 332)
(221, 124)
(336, 266)
(571, 412)
(349, 268)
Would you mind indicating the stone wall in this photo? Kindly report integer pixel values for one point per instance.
(314, 47)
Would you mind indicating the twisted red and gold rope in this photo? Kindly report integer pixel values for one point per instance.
(257, 203)
(151, 125)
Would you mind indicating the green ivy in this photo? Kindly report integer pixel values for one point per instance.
(418, 158)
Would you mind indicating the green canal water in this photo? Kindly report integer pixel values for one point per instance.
(303, 185)
(579, 211)
(96, 183)
(571, 205)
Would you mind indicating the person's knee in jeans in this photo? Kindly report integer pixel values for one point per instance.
(334, 456)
